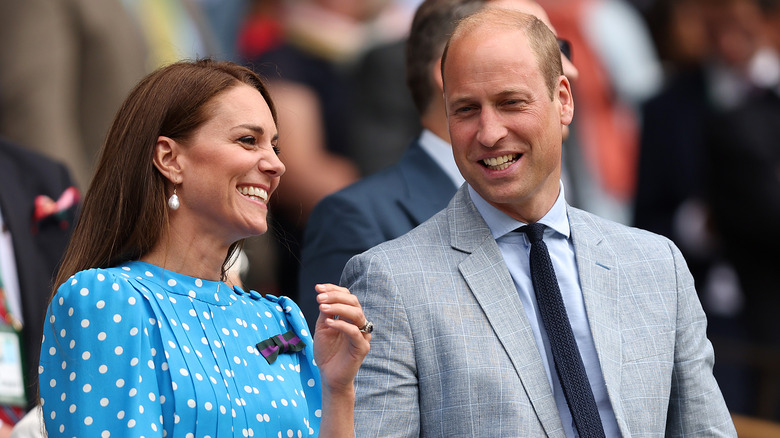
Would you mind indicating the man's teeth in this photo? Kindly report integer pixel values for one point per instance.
(500, 163)
(255, 193)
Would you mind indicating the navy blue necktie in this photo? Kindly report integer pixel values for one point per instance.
(566, 355)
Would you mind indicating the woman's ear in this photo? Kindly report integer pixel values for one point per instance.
(167, 159)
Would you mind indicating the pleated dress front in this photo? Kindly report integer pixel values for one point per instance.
(140, 351)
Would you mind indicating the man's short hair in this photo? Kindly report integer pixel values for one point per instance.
(542, 41)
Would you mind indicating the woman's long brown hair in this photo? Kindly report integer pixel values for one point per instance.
(124, 210)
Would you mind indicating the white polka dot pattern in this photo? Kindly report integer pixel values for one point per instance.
(136, 350)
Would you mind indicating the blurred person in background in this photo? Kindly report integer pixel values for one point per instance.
(177, 29)
(742, 170)
(65, 67)
(709, 48)
(619, 69)
(224, 19)
(716, 56)
(38, 208)
(306, 72)
(383, 117)
(261, 28)
(670, 186)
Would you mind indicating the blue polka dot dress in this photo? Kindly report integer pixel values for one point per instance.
(139, 351)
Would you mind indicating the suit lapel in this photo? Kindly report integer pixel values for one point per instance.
(486, 274)
(428, 188)
(599, 275)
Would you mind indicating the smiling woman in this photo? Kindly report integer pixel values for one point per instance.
(144, 337)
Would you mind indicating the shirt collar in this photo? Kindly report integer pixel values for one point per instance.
(500, 223)
(441, 152)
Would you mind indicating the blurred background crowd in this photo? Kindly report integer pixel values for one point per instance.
(677, 124)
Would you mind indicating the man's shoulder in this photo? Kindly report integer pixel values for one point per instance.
(416, 174)
(432, 234)
(395, 199)
(377, 186)
(367, 205)
(424, 249)
(582, 221)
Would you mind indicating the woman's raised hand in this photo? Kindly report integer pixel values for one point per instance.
(339, 343)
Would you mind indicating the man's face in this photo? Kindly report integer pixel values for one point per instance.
(506, 131)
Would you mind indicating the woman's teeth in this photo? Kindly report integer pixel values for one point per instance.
(255, 193)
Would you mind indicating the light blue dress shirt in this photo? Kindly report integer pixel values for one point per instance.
(515, 248)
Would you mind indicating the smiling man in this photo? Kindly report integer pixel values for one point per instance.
(605, 336)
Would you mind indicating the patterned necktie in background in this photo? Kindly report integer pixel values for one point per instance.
(566, 355)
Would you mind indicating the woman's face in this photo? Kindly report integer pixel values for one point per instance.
(229, 168)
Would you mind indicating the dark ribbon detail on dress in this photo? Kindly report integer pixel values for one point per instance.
(272, 347)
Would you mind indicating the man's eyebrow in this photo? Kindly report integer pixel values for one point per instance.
(461, 100)
(502, 94)
(511, 92)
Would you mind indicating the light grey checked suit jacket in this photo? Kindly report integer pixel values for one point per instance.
(453, 354)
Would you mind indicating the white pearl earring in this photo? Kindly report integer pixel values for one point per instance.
(173, 201)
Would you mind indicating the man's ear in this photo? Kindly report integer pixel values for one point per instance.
(167, 158)
(566, 100)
